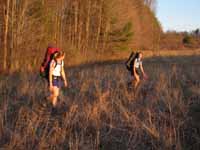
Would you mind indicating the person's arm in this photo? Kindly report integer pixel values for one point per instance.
(142, 70)
(64, 76)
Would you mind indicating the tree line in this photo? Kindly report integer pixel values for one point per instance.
(77, 26)
(173, 40)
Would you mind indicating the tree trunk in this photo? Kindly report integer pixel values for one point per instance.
(75, 21)
(80, 25)
(105, 36)
(87, 25)
(12, 38)
(7, 10)
(99, 25)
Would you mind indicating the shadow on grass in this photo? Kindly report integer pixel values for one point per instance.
(179, 60)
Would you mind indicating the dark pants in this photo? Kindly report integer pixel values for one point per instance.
(137, 71)
(57, 81)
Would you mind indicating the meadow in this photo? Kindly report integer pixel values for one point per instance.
(101, 111)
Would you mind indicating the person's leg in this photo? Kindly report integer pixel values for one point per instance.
(54, 97)
(137, 81)
(54, 92)
(51, 91)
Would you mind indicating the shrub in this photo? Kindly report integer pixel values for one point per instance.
(187, 39)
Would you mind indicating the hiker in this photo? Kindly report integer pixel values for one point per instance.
(136, 68)
(56, 76)
(134, 65)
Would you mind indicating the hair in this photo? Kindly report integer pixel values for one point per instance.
(59, 54)
(137, 54)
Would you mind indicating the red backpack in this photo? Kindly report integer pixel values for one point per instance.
(44, 69)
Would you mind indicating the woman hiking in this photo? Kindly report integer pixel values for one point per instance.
(136, 68)
(56, 76)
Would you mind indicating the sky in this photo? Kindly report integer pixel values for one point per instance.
(179, 15)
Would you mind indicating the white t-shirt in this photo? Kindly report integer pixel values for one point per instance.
(57, 67)
(137, 63)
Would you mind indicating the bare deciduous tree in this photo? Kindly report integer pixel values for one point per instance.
(81, 25)
(152, 4)
(6, 20)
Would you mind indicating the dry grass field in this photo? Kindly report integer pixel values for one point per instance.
(101, 111)
(79, 59)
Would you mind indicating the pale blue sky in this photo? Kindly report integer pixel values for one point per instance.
(179, 15)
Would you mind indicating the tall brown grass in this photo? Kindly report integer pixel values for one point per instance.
(100, 111)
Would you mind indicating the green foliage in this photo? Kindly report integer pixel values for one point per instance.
(187, 39)
(127, 28)
(123, 35)
(113, 20)
(123, 47)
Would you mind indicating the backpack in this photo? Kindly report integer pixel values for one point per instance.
(49, 56)
(130, 62)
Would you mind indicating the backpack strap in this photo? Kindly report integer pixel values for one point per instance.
(55, 62)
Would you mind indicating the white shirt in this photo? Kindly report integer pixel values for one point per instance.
(57, 68)
(137, 63)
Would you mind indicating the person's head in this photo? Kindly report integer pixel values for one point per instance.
(138, 55)
(59, 55)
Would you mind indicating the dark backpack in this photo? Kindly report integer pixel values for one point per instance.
(49, 56)
(129, 63)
